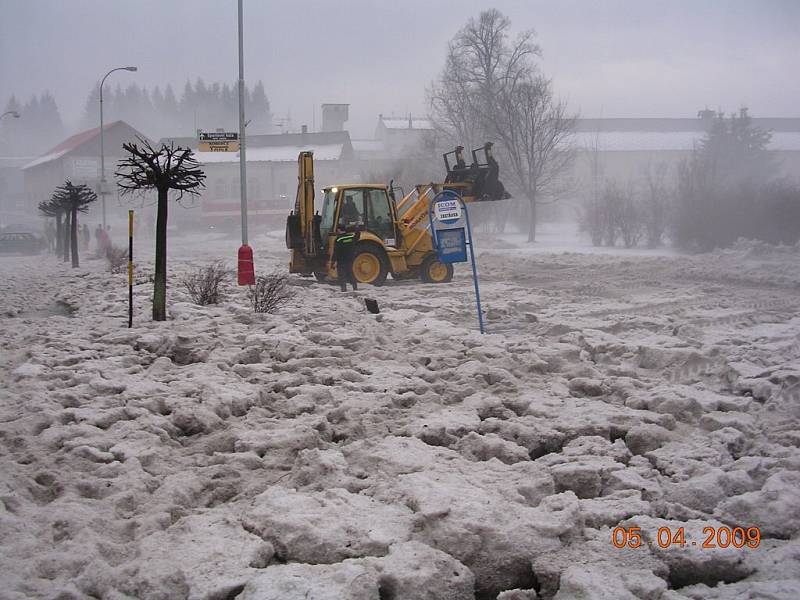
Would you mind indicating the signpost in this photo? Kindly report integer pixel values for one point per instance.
(452, 235)
(227, 141)
(130, 268)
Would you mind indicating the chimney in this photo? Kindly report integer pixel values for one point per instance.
(334, 116)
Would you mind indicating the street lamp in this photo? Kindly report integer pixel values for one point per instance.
(102, 147)
(13, 113)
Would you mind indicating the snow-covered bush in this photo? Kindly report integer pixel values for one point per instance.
(207, 285)
(270, 292)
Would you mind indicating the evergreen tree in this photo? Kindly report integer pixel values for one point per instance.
(91, 110)
(51, 119)
(9, 126)
(170, 105)
(160, 114)
(259, 110)
(720, 190)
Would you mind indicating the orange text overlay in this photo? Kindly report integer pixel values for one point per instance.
(667, 537)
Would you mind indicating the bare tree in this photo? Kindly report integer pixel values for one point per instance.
(164, 169)
(629, 216)
(481, 61)
(490, 89)
(536, 132)
(656, 204)
(612, 200)
(592, 213)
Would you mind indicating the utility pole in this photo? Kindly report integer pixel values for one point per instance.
(246, 275)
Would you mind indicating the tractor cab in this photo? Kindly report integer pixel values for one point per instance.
(365, 207)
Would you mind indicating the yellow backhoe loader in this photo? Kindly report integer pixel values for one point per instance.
(395, 235)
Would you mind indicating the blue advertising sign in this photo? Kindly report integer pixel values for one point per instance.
(449, 223)
(452, 245)
(448, 227)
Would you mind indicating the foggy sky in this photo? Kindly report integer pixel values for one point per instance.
(607, 58)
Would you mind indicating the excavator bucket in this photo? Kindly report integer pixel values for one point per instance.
(479, 180)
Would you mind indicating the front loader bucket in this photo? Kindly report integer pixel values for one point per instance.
(481, 179)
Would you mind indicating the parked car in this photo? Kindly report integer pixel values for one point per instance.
(20, 243)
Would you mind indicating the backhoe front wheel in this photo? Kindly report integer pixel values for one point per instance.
(370, 265)
(433, 270)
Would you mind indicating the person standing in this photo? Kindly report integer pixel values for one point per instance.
(87, 237)
(98, 236)
(50, 233)
(343, 251)
(107, 239)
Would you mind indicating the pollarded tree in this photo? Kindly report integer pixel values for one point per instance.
(50, 208)
(57, 208)
(74, 199)
(163, 169)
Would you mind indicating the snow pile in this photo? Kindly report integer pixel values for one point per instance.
(324, 452)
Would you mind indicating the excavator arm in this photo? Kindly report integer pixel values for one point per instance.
(302, 225)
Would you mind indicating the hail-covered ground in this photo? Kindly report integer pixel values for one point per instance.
(324, 452)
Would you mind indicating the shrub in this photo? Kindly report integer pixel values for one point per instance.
(270, 292)
(207, 285)
(591, 219)
(117, 259)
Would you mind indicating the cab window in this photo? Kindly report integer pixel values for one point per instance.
(351, 212)
(328, 213)
(379, 216)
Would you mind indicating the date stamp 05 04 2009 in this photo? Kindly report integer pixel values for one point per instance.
(666, 537)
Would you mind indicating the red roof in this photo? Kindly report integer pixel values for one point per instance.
(73, 142)
(79, 138)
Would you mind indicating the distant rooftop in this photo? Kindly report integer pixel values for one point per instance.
(643, 140)
(74, 142)
(777, 124)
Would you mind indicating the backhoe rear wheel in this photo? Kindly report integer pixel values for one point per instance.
(433, 270)
(370, 265)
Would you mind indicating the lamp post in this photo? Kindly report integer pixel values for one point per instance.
(13, 113)
(102, 147)
(246, 271)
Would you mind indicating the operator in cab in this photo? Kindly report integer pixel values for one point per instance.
(350, 213)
